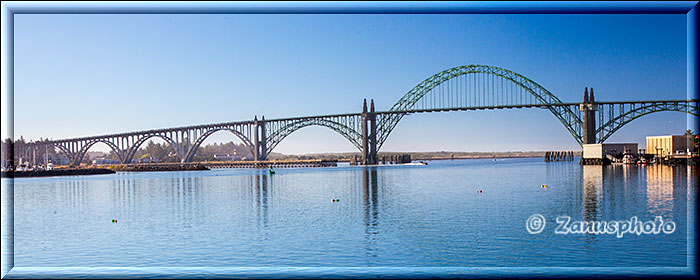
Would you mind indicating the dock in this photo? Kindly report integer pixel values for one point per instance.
(271, 163)
(207, 165)
(56, 172)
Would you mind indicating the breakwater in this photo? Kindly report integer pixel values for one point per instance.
(145, 167)
(149, 167)
(272, 163)
(56, 172)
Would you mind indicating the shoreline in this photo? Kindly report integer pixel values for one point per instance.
(204, 166)
(57, 172)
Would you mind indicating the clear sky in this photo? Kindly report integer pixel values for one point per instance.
(83, 75)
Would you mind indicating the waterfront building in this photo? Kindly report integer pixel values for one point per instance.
(600, 151)
(227, 157)
(102, 160)
(669, 145)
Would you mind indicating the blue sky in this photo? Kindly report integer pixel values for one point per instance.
(82, 75)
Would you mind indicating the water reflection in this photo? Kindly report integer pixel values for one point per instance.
(123, 193)
(652, 189)
(261, 197)
(251, 218)
(660, 189)
(371, 213)
(7, 244)
(72, 193)
(592, 190)
(185, 197)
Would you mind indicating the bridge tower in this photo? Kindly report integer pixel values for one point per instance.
(588, 107)
(259, 139)
(365, 139)
(372, 134)
(369, 134)
(256, 143)
(263, 139)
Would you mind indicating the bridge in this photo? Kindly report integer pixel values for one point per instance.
(463, 88)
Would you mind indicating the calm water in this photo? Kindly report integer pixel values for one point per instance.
(397, 216)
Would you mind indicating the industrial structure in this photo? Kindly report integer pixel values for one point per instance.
(666, 145)
(463, 88)
(600, 153)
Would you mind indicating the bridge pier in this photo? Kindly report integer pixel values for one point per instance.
(365, 139)
(369, 134)
(256, 143)
(588, 107)
(259, 139)
(263, 139)
(372, 134)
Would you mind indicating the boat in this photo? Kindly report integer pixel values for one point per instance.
(628, 159)
(416, 163)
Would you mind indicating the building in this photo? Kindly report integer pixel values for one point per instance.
(669, 145)
(599, 151)
(227, 157)
(103, 160)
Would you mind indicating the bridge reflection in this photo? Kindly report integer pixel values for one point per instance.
(370, 198)
(261, 210)
(261, 196)
(592, 190)
(616, 189)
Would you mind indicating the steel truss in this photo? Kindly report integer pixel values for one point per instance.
(470, 87)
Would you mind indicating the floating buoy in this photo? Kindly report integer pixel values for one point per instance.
(114, 220)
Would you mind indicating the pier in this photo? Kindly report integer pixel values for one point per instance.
(559, 156)
(56, 172)
(271, 164)
(190, 166)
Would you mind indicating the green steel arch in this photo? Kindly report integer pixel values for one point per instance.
(542, 97)
(606, 130)
(352, 135)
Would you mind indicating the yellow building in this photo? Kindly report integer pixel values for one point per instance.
(669, 145)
